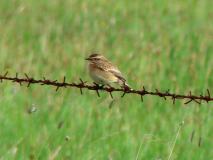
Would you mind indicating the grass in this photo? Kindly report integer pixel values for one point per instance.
(159, 44)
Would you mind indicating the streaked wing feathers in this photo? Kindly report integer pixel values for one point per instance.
(118, 74)
(109, 67)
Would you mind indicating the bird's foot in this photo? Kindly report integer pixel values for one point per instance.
(99, 85)
(109, 86)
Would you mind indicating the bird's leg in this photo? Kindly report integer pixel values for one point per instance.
(109, 86)
(101, 86)
(97, 85)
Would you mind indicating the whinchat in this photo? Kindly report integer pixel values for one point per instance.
(102, 71)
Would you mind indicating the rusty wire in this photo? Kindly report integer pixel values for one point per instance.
(83, 85)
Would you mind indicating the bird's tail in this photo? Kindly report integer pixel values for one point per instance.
(123, 84)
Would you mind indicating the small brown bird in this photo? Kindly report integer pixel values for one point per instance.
(102, 71)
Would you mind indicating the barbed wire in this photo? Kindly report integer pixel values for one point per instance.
(95, 87)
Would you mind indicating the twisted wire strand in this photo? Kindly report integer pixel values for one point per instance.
(83, 85)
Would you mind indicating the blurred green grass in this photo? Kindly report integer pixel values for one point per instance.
(159, 44)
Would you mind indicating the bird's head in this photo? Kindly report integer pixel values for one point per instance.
(95, 57)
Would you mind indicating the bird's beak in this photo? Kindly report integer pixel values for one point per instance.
(87, 59)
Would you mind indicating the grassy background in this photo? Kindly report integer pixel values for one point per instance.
(159, 44)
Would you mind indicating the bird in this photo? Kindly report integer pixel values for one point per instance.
(103, 72)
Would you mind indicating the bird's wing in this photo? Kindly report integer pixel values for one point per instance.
(109, 67)
(117, 73)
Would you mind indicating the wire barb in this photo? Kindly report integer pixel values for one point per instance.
(95, 87)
